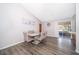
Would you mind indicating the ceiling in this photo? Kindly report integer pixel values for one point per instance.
(54, 11)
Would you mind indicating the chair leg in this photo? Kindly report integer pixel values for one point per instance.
(36, 42)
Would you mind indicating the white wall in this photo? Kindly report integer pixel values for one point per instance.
(10, 27)
(73, 24)
(11, 24)
(77, 28)
(52, 29)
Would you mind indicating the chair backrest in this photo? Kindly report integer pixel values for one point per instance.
(43, 35)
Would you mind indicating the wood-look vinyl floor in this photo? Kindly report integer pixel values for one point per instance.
(49, 46)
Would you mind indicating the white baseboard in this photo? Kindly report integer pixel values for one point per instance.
(11, 45)
(51, 35)
(77, 50)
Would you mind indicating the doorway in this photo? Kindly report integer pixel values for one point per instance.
(64, 28)
(66, 34)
